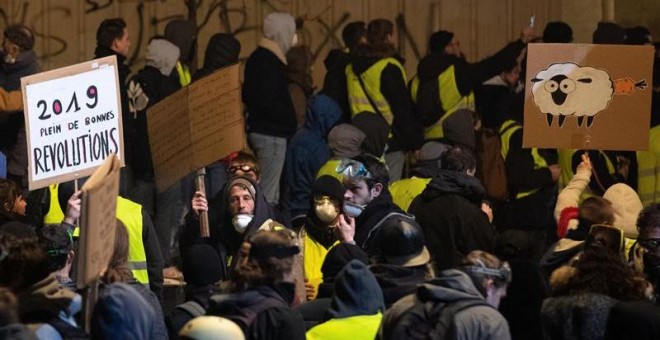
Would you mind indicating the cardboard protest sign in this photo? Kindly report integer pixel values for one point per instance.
(584, 96)
(195, 126)
(73, 120)
(98, 220)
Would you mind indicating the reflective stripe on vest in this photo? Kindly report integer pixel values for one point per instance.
(55, 214)
(313, 256)
(451, 100)
(184, 74)
(357, 98)
(648, 170)
(539, 162)
(130, 214)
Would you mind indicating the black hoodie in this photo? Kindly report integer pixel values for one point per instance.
(449, 212)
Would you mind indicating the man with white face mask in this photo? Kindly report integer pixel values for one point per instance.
(367, 200)
(235, 213)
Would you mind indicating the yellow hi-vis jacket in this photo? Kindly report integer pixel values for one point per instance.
(130, 214)
(405, 190)
(450, 99)
(648, 170)
(505, 137)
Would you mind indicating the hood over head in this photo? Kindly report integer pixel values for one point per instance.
(162, 55)
(345, 140)
(182, 33)
(356, 292)
(323, 113)
(122, 313)
(280, 28)
(627, 206)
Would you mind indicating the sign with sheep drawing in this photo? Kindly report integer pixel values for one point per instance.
(588, 96)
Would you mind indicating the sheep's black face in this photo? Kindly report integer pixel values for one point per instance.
(559, 87)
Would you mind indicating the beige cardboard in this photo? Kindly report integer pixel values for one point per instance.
(72, 70)
(621, 115)
(98, 221)
(196, 126)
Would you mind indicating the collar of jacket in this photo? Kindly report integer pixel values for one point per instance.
(273, 47)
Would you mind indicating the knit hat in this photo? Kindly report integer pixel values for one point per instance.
(401, 243)
(609, 33)
(211, 328)
(439, 40)
(280, 28)
(244, 182)
(162, 55)
(345, 140)
(222, 50)
(201, 265)
(557, 32)
(356, 292)
(122, 313)
(638, 35)
(376, 131)
(626, 205)
(327, 185)
(21, 36)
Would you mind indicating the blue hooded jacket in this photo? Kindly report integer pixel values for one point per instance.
(307, 151)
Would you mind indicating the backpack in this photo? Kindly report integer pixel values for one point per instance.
(431, 319)
(492, 165)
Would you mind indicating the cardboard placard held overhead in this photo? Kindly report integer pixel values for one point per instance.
(98, 220)
(73, 120)
(583, 96)
(195, 126)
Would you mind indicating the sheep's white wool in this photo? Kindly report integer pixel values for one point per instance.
(588, 90)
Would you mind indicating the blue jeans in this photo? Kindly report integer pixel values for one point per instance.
(271, 153)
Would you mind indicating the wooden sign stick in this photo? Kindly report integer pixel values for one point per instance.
(203, 215)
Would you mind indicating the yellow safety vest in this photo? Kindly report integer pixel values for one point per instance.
(405, 190)
(505, 135)
(130, 214)
(648, 170)
(184, 74)
(450, 98)
(353, 327)
(357, 98)
(55, 214)
(313, 256)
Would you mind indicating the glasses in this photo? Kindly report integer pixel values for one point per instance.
(243, 167)
(649, 243)
(352, 169)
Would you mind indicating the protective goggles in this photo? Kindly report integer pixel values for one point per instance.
(242, 167)
(503, 273)
(353, 169)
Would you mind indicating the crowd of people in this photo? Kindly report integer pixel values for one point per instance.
(366, 209)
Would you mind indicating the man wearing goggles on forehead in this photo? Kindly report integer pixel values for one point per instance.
(367, 200)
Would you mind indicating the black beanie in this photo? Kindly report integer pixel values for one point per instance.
(609, 33)
(327, 185)
(21, 36)
(439, 40)
(222, 50)
(201, 265)
(557, 32)
(338, 257)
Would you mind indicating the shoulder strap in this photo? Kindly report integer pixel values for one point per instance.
(364, 88)
(445, 314)
(193, 308)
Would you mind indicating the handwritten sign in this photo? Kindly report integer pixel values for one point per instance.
(73, 120)
(98, 221)
(583, 96)
(197, 125)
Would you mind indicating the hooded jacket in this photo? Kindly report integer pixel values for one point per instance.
(307, 152)
(157, 81)
(265, 88)
(262, 312)
(627, 206)
(372, 217)
(476, 322)
(223, 238)
(449, 212)
(122, 313)
(356, 307)
(222, 50)
(397, 281)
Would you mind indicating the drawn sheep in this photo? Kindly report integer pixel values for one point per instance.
(568, 89)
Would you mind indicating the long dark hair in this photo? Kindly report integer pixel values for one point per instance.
(118, 267)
